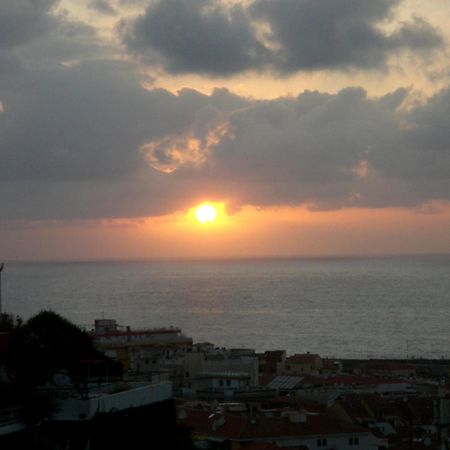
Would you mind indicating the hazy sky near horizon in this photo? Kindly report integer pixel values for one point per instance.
(319, 126)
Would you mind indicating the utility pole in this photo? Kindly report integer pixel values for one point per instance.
(2, 266)
(442, 416)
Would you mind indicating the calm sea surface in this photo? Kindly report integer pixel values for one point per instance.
(351, 307)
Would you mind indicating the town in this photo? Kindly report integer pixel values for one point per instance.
(179, 393)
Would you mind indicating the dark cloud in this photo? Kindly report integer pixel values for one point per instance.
(80, 137)
(332, 34)
(70, 140)
(197, 36)
(24, 20)
(330, 151)
(103, 7)
(88, 141)
(82, 122)
(204, 36)
(418, 35)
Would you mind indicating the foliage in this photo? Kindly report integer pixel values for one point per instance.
(47, 343)
(9, 322)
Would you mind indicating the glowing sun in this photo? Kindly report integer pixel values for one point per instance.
(206, 213)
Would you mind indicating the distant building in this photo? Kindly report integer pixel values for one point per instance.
(289, 429)
(135, 348)
(272, 362)
(306, 363)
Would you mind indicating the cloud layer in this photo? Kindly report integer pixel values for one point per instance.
(209, 37)
(80, 137)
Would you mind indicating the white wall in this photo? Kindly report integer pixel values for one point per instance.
(78, 409)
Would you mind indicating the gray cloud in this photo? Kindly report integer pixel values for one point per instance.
(81, 138)
(204, 36)
(196, 36)
(24, 20)
(103, 7)
(87, 141)
(333, 34)
(332, 150)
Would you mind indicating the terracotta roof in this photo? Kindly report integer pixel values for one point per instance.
(139, 332)
(313, 380)
(264, 380)
(255, 445)
(241, 428)
(361, 380)
(356, 409)
(297, 402)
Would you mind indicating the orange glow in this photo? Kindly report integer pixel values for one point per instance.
(206, 213)
(246, 232)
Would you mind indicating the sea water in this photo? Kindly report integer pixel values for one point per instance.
(342, 307)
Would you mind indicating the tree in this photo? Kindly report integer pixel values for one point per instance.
(9, 322)
(47, 343)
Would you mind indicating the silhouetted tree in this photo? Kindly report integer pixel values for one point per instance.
(9, 322)
(47, 343)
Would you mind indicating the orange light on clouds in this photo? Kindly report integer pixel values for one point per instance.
(248, 232)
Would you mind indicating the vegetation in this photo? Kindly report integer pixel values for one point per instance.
(48, 343)
(9, 322)
(37, 349)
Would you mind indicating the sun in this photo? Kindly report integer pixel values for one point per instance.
(206, 213)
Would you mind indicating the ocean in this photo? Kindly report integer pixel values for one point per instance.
(338, 307)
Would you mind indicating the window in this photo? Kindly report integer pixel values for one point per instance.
(321, 442)
(228, 383)
(353, 441)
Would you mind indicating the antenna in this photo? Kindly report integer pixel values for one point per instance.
(2, 266)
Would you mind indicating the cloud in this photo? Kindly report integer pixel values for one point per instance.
(197, 36)
(191, 148)
(103, 7)
(209, 37)
(81, 138)
(331, 34)
(24, 20)
(88, 141)
(331, 151)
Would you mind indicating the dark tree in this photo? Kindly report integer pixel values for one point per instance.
(9, 322)
(47, 343)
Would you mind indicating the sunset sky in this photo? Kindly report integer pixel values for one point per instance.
(313, 127)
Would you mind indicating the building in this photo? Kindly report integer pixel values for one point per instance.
(138, 349)
(307, 363)
(288, 429)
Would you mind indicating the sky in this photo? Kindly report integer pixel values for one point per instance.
(315, 127)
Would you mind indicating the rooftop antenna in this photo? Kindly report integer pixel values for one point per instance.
(2, 266)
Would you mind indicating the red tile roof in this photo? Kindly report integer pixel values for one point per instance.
(151, 332)
(255, 445)
(360, 380)
(244, 428)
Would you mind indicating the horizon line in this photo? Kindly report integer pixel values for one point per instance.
(220, 258)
